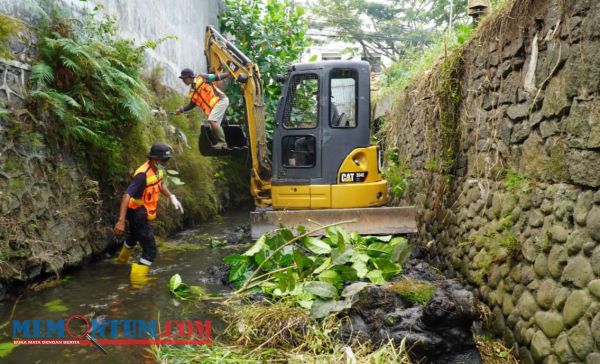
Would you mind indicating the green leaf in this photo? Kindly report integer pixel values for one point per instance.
(176, 181)
(376, 276)
(302, 262)
(325, 265)
(184, 291)
(238, 264)
(258, 246)
(354, 289)
(347, 273)
(313, 58)
(359, 264)
(330, 276)
(387, 268)
(401, 251)
(380, 250)
(316, 246)
(175, 282)
(286, 234)
(361, 269)
(320, 309)
(307, 304)
(6, 349)
(340, 257)
(502, 354)
(370, 239)
(333, 235)
(321, 289)
(56, 306)
(286, 281)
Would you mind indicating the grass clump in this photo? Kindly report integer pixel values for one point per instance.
(494, 352)
(171, 245)
(8, 28)
(398, 174)
(281, 332)
(416, 292)
(417, 61)
(514, 181)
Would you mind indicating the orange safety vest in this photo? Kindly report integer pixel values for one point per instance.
(151, 193)
(203, 94)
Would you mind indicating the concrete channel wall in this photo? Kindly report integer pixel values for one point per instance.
(518, 217)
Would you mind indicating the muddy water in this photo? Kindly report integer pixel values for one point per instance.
(102, 290)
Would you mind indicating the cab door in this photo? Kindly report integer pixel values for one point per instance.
(297, 158)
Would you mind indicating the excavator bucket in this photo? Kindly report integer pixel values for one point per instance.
(234, 135)
(365, 221)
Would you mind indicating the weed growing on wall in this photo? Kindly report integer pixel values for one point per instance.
(398, 174)
(449, 99)
(8, 28)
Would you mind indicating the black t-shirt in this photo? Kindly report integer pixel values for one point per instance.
(137, 186)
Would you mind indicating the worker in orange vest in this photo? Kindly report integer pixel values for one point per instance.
(138, 206)
(207, 96)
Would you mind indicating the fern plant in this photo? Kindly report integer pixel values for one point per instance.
(89, 82)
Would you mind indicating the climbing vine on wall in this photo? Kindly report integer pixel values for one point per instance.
(449, 99)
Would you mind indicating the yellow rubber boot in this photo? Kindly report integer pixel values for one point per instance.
(124, 255)
(139, 275)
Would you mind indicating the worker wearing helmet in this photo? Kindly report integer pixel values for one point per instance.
(207, 96)
(138, 206)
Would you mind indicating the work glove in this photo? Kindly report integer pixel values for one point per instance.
(176, 203)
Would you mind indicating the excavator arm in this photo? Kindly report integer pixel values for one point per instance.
(223, 56)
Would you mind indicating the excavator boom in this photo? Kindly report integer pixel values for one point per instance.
(223, 56)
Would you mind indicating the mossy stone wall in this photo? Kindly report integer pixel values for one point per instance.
(520, 219)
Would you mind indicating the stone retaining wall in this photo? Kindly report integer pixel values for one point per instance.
(49, 210)
(516, 211)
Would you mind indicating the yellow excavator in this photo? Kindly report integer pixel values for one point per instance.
(323, 167)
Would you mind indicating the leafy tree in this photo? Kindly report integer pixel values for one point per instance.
(273, 35)
(390, 28)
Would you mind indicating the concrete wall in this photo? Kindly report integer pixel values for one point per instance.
(511, 204)
(145, 20)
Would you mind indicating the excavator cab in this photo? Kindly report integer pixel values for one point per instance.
(322, 153)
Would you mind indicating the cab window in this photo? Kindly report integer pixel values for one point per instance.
(299, 151)
(343, 95)
(302, 104)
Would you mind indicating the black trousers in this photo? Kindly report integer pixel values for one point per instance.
(141, 231)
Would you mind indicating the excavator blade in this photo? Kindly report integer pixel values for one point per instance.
(366, 221)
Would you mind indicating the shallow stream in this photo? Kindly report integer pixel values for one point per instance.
(102, 290)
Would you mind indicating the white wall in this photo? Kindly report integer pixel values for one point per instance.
(145, 20)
